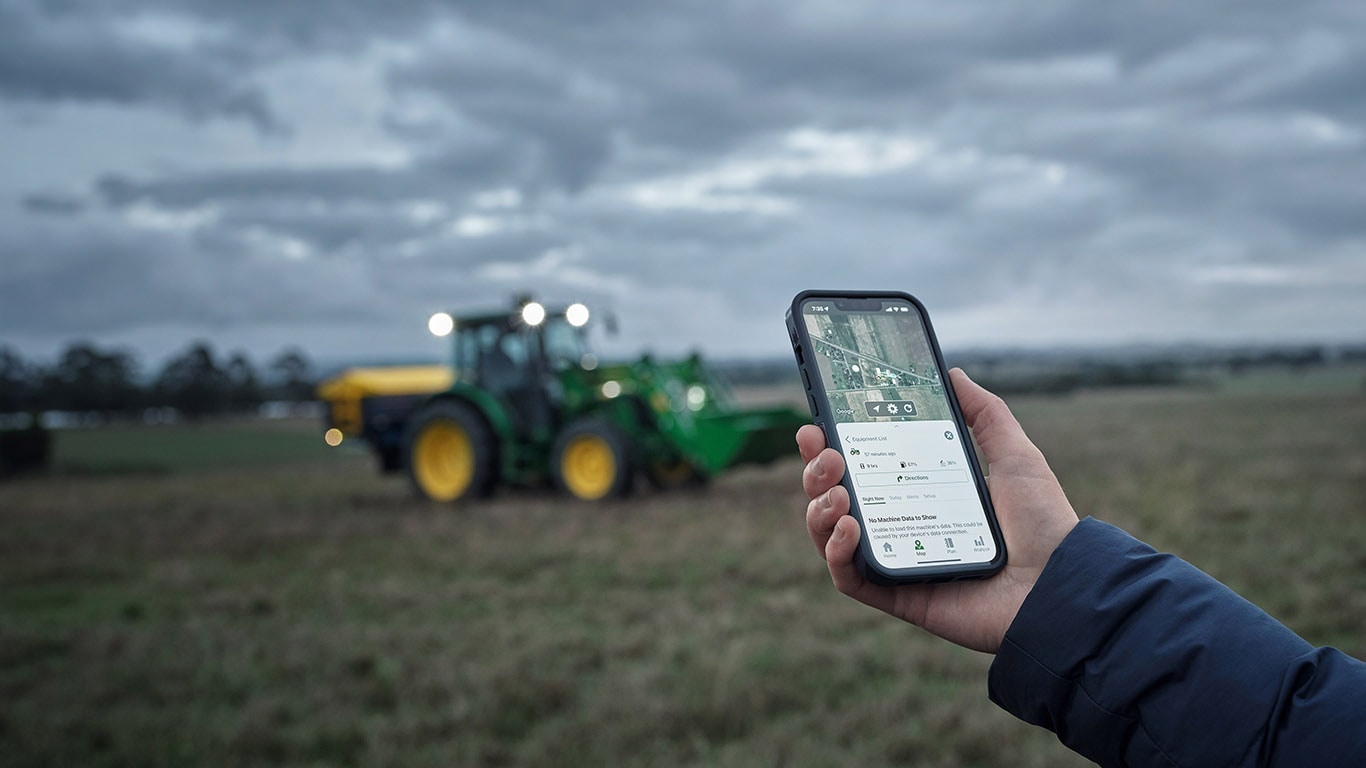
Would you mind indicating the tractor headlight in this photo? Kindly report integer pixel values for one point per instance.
(533, 313)
(697, 397)
(577, 315)
(441, 324)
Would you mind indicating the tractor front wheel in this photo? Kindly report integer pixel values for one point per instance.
(450, 453)
(592, 460)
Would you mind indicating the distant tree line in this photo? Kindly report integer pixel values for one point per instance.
(108, 383)
(1058, 379)
(1060, 373)
(1063, 371)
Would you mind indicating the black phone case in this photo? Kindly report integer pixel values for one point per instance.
(820, 414)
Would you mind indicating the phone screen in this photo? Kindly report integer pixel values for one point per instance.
(905, 454)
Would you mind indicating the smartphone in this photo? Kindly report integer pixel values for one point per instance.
(876, 384)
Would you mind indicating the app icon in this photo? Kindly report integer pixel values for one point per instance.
(918, 546)
(887, 547)
(948, 542)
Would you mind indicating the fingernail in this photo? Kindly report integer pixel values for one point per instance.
(817, 468)
(838, 535)
(826, 501)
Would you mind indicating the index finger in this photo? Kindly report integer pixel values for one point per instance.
(810, 441)
(992, 424)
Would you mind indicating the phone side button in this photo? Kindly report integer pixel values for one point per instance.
(815, 409)
(806, 379)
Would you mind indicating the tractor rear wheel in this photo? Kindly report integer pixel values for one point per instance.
(593, 460)
(450, 453)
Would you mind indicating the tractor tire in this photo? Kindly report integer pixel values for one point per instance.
(450, 453)
(593, 460)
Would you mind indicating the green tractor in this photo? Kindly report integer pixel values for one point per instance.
(524, 402)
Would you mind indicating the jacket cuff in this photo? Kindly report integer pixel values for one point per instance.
(1034, 675)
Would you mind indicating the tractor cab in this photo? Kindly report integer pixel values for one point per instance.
(517, 358)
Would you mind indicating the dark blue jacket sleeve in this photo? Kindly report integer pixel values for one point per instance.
(1137, 658)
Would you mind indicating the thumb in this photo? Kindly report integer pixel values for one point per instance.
(993, 425)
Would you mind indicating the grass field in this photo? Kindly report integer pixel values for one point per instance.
(309, 612)
(128, 450)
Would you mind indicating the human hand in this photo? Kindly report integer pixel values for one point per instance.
(1033, 511)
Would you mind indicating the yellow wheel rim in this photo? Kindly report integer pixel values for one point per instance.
(443, 460)
(588, 467)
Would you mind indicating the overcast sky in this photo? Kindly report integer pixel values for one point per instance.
(328, 173)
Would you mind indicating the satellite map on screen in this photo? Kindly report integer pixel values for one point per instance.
(877, 366)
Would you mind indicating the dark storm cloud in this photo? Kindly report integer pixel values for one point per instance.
(325, 231)
(567, 126)
(318, 25)
(1074, 160)
(52, 204)
(335, 184)
(461, 166)
(95, 277)
(63, 56)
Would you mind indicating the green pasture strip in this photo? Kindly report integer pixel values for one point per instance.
(179, 448)
(1337, 379)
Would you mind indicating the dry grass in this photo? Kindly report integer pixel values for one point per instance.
(314, 614)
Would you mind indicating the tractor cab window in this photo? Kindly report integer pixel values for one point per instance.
(494, 355)
(564, 344)
(503, 358)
